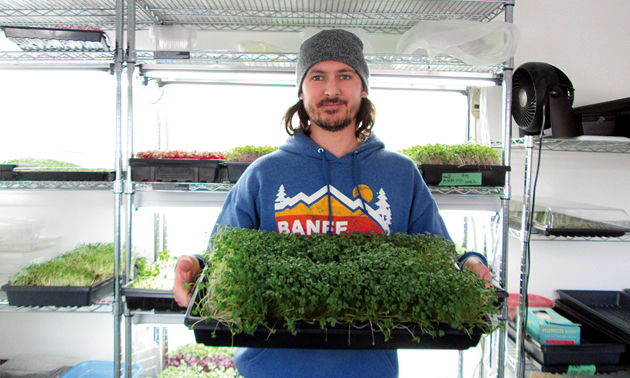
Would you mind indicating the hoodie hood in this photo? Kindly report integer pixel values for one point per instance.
(302, 145)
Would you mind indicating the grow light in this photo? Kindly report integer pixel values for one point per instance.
(43, 39)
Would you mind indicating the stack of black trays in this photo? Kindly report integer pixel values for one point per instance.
(600, 351)
(605, 313)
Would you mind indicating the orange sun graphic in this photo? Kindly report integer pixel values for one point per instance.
(366, 193)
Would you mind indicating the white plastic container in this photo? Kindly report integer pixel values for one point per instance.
(173, 38)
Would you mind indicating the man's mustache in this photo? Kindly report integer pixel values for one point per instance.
(332, 101)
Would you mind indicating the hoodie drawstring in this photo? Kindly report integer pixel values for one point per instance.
(357, 178)
(325, 168)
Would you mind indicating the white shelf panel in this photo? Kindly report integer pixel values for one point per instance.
(161, 195)
(159, 318)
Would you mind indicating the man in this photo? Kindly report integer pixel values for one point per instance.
(332, 176)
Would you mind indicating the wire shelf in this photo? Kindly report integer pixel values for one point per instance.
(57, 185)
(581, 144)
(183, 186)
(255, 15)
(16, 59)
(399, 62)
(468, 190)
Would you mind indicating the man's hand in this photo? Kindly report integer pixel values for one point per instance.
(186, 271)
(477, 266)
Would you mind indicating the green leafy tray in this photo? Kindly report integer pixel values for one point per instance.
(60, 296)
(212, 332)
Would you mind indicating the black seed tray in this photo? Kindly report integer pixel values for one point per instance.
(32, 175)
(151, 300)
(491, 175)
(587, 353)
(174, 170)
(60, 296)
(313, 336)
(594, 332)
(235, 170)
(611, 309)
(604, 231)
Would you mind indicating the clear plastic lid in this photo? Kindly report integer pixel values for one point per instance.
(573, 219)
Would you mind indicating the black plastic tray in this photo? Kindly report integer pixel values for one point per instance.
(570, 369)
(312, 336)
(235, 170)
(60, 296)
(593, 331)
(491, 175)
(151, 300)
(6, 171)
(608, 231)
(174, 170)
(7, 167)
(32, 175)
(586, 353)
(611, 309)
(580, 232)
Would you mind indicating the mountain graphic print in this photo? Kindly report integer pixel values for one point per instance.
(308, 213)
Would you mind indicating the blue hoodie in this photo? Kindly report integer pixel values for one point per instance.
(302, 188)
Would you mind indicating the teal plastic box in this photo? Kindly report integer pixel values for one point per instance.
(100, 369)
(548, 327)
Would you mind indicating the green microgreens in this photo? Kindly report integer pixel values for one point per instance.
(156, 275)
(248, 154)
(257, 277)
(460, 154)
(84, 266)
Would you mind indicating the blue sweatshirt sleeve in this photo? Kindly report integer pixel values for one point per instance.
(425, 215)
(461, 259)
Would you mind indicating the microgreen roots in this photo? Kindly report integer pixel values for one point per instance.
(257, 277)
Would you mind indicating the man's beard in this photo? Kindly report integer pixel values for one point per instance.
(334, 125)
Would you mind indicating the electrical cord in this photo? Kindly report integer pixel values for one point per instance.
(530, 222)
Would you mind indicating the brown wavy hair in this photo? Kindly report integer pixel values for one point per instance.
(365, 119)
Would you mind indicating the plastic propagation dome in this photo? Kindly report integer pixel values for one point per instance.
(475, 43)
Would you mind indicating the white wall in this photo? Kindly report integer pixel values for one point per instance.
(588, 41)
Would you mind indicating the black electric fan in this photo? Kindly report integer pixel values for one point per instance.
(542, 98)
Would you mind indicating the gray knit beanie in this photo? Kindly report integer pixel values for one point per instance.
(339, 45)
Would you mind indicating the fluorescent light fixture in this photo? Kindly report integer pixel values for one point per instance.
(44, 39)
(447, 81)
(221, 77)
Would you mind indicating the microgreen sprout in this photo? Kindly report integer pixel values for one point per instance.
(460, 154)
